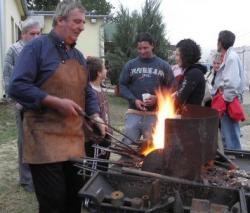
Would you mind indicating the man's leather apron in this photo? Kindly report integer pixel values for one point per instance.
(49, 136)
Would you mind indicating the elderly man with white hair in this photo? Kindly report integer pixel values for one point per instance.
(30, 29)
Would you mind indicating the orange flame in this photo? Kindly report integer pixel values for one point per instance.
(165, 110)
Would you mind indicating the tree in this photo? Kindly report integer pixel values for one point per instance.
(152, 21)
(101, 7)
(42, 5)
(128, 25)
(123, 46)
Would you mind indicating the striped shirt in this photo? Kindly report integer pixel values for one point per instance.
(9, 62)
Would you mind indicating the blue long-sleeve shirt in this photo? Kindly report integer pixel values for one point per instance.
(38, 60)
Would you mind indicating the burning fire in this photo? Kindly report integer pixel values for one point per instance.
(165, 110)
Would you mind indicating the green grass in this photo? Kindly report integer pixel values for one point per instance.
(7, 123)
(13, 199)
(117, 108)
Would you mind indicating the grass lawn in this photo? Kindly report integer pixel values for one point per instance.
(117, 108)
(7, 124)
(13, 199)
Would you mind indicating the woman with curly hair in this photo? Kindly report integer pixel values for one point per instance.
(191, 87)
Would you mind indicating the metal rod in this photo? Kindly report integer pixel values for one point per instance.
(115, 151)
(118, 145)
(98, 122)
(81, 166)
(119, 162)
(124, 144)
(122, 148)
(155, 175)
(88, 168)
(243, 203)
(224, 165)
(225, 158)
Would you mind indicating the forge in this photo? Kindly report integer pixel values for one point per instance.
(185, 174)
(190, 142)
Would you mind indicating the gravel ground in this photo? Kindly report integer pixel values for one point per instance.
(245, 130)
(245, 139)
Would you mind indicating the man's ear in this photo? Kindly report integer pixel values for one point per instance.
(219, 46)
(59, 20)
(153, 47)
(99, 73)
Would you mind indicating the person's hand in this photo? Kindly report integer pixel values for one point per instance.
(97, 120)
(173, 95)
(64, 106)
(67, 107)
(140, 105)
(18, 106)
(150, 101)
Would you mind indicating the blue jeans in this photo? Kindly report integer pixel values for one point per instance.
(230, 131)
(137, 126)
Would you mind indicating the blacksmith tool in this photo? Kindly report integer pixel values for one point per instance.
(88, 118)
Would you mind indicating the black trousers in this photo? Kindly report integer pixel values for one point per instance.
(56, 187)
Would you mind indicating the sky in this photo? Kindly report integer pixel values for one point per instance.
(201, 20)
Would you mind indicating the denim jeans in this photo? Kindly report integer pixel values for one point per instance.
(230, 131)
(137, 126)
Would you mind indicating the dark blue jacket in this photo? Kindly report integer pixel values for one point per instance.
(38, 60)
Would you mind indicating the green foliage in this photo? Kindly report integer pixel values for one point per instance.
(101, 7)
(123, 39)
(7, 126)
(128, 25)
(152, 21)
(42, 5)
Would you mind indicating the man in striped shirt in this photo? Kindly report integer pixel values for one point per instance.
(30, 29)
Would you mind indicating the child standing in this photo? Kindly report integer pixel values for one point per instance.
(98, 73)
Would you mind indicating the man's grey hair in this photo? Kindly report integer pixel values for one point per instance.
(65, 7)
(29, 23)
(217, 57)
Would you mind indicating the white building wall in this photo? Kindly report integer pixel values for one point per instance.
(10, 11)
(90, 41)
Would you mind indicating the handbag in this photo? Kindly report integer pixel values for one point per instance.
(235, 110)
(218, 103)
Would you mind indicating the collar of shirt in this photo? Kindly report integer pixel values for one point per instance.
(59, 42)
